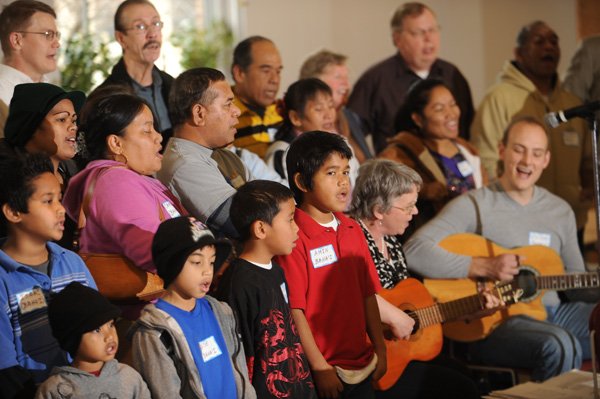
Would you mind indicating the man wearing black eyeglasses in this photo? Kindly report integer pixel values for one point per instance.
(30, 45)
(138, 29)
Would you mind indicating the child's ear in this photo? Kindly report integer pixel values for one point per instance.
(258, 229)
(295, 118)
(10, 214)
(299, 181)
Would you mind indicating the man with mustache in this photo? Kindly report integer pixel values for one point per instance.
(30, 43)
(138, 29)
(529, 85)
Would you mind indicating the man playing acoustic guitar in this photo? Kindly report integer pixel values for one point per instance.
(514, 212)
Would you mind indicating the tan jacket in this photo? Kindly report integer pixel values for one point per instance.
(570, 143)
(409, 149)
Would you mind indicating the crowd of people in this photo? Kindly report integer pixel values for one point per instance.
(275, 227)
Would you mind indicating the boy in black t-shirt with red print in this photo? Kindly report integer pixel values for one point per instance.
(255, 287)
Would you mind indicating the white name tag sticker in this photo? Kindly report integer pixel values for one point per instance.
(465, 168)
(323, 256)
(284, 292)
(539, 238)
(210, 349)
(570, 138)
(31, 300)
(171, 210)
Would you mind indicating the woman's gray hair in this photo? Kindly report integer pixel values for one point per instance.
(379, 182)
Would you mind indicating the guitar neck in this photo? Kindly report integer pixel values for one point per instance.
(568, 281)
(442, 312)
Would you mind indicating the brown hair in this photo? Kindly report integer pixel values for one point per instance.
(16, 16)
(121, 9)
(411, 9)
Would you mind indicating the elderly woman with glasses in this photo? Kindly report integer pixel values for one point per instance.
(383, 203)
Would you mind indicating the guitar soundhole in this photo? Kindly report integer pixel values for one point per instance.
(526, 281)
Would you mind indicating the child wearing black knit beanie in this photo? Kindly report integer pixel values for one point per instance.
(83, 323)
(187, 345)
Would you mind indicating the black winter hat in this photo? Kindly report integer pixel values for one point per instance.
(30, 104)
(75, 310)
(176, 239)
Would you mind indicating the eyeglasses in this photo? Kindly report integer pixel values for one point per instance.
(50, 34)
(407, 210)
(421, 33)
(143, 28)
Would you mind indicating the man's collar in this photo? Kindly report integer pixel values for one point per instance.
(404, 68)
(312, 228)
(260, 111)
(554, 77)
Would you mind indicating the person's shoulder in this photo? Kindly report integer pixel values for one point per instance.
(348, 223)
(221, 309)
(119, 180)
(550, 200)
(68, 258)
(592, 42)
(188, 151)
(238, 272)
(49, 386)
(219, 306)
(166, 77)
(567, 99)
(381, 68)
(125, 369)
(442, 63)
(116, 173)
(117, 75)
(152, 321)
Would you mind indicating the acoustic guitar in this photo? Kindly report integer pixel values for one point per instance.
(542, 270)
(426, 339)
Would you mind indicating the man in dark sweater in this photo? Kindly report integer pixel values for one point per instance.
(138, 29)
(381, 90)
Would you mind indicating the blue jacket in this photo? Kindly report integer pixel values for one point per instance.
(25, 337)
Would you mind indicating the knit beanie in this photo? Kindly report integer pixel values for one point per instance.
(75, 310)
(30, 104)
(176, 239)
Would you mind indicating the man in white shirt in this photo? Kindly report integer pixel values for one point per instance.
(30, 42)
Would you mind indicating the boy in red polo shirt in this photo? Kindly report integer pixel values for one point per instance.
(331, 278)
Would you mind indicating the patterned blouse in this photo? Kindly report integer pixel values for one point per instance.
(391, 271)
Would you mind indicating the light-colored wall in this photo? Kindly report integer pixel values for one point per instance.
(477, 35)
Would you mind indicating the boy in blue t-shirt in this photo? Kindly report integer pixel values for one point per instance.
(187, 345)
(31, 269)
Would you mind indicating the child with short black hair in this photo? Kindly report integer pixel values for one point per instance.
(83, 323)
(31, 268)
(330, 272)
(187, 345)
(255, 287)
